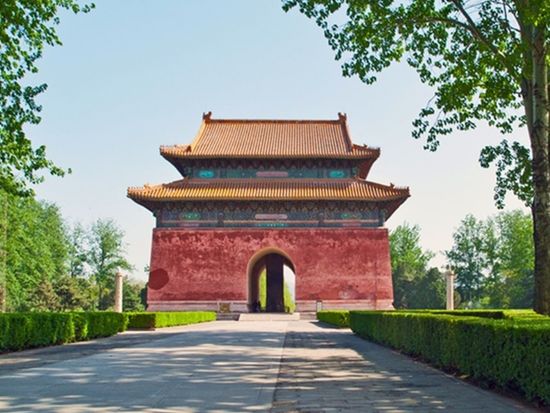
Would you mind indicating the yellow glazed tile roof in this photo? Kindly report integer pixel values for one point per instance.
(233, 138)
(269, 190)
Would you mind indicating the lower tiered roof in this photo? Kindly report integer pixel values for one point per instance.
(270, 190)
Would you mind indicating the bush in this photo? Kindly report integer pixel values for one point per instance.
(338, 318)
(512, 353)
(496, 314)
(104, 324)
(19, 331)
(168, 319)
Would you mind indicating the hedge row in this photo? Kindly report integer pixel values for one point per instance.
(25, 330)
(513, 353)
(339, 318)
(168, 319)
(19, 331)
(496, 314)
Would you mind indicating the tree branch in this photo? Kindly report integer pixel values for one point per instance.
(472, 27)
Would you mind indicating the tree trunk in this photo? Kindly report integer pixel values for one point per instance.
(538, 128)
(3, 249)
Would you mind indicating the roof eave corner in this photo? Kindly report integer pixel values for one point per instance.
(396, 203)
(134, 196)
(131, 193)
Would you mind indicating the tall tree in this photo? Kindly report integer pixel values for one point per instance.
(488, 61)
(3, 249)
(408, 262)
(75, 293)
(77, 254)
(106, 257)
(516, 259)
(26, 27)
(35, 252)
(132, 296)
(429, 290)
(470, 257)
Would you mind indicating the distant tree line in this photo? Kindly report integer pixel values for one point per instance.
(50, 265)
(493, 260)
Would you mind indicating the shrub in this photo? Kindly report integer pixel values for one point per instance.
(338, 318)
(491, 313)
(511, 353)
(104, 324)
(24, 330)
(495, 314)
(168, 319)
(19, 331)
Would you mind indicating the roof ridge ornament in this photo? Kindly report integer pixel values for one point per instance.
(342, 116)
(207, 116)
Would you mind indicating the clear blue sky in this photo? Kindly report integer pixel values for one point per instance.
(132, 76)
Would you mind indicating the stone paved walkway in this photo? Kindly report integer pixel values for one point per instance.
(234, 367)
(330, 370)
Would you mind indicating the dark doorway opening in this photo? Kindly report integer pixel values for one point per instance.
(267, 288)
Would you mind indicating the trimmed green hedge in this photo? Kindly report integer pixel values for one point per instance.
(496, 314)
(168, 319)
(511, 353)
(339, 318)
(25, 330)
(19, 331)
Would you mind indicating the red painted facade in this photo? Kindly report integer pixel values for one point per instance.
(210, 268)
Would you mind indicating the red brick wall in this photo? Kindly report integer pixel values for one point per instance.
(343, 268)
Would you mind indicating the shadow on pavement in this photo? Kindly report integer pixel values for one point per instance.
(332, 370)
(232, 366)
(201, 370)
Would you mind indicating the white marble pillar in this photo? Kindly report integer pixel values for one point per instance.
(450, 277)
(118, 292)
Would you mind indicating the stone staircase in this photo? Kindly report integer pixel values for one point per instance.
(269, 317)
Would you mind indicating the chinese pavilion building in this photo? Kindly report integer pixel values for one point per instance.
(262, 195)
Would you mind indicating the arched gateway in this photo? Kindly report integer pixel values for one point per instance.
(261, 194)
(271, 264)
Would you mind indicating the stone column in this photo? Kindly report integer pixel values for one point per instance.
(118, 292)
(450, 277)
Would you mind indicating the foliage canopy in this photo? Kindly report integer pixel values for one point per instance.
(26, 28)
(487, 61)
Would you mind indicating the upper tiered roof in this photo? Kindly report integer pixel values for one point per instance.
(245, 138)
